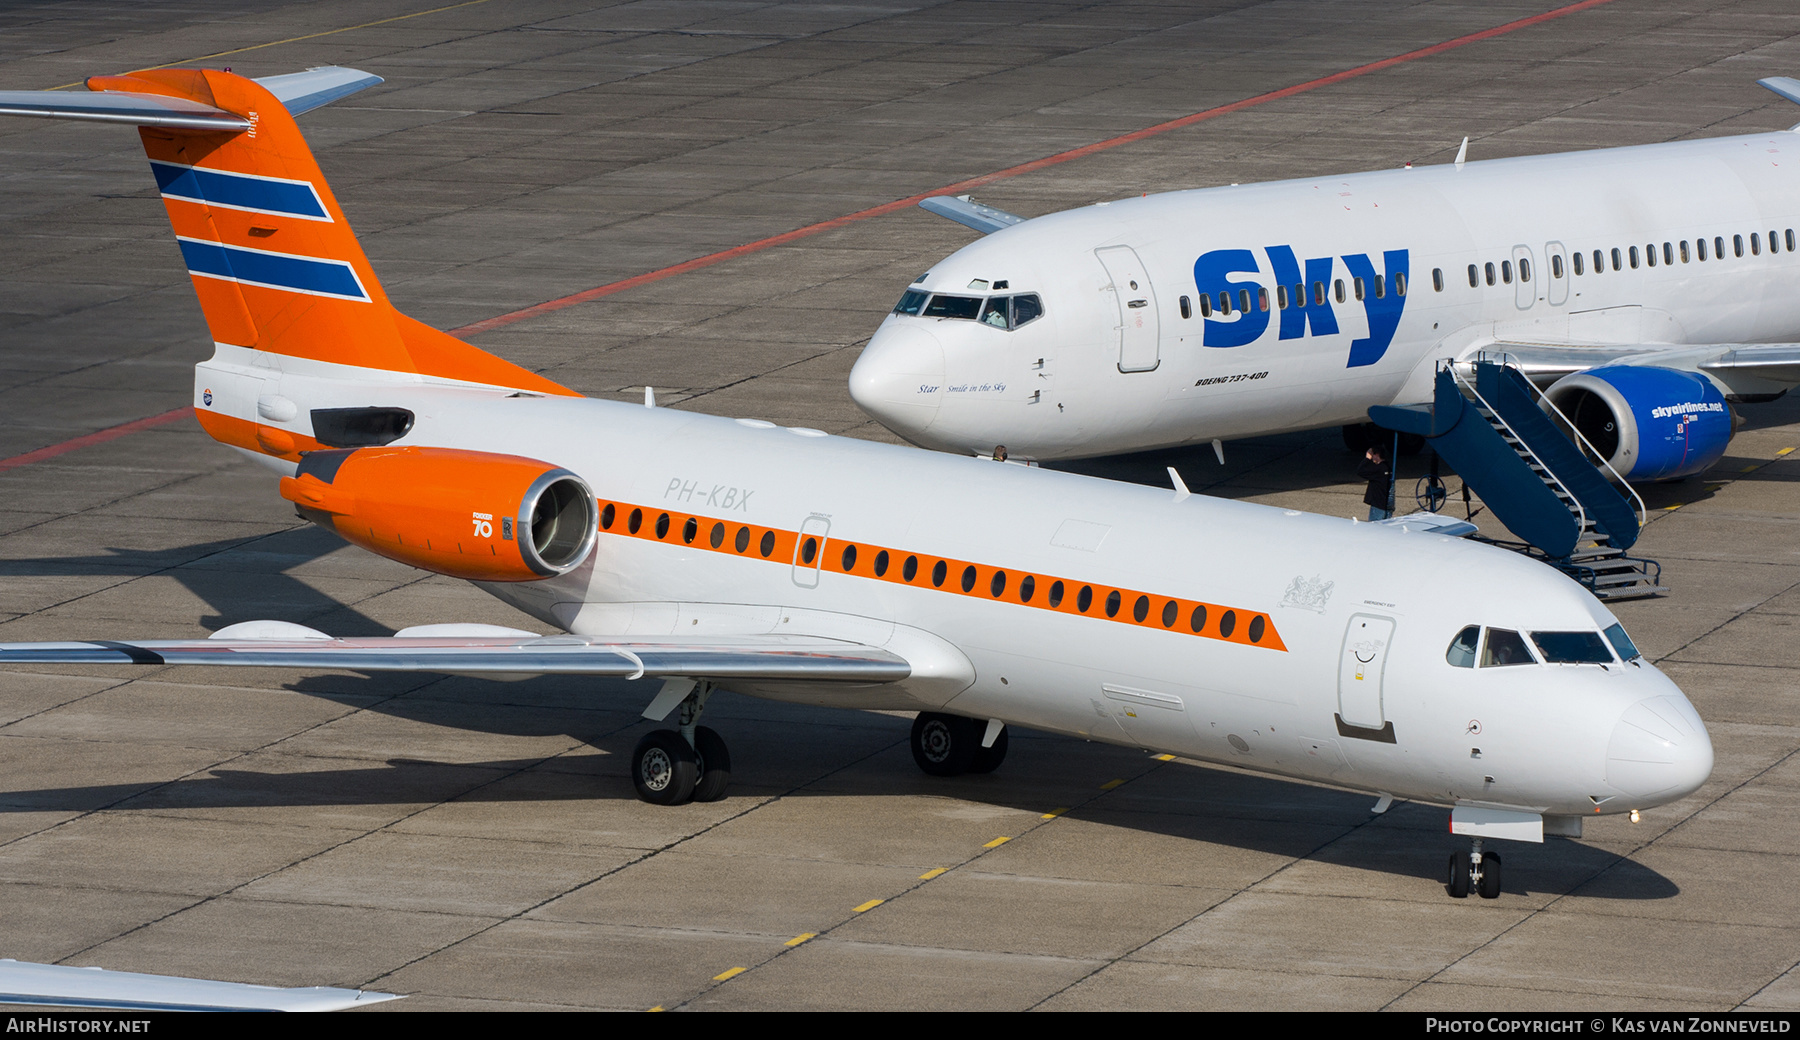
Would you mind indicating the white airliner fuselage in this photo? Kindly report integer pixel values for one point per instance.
(1145, 339)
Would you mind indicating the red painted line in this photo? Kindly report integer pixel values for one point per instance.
(111, 433)
(503, 320)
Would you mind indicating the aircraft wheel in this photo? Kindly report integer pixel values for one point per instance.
(715, 765)
(664, 768)
(1457, 884)
(1490, 876)
(942, 745)
(987, 759)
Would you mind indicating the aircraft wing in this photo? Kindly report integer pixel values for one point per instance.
(1743, 368)
(765, 657)
(969, 213)
(299, 91)
(60, 985)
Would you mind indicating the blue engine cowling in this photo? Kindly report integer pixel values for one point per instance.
(1649, 423)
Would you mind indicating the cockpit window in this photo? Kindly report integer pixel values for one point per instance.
(942, 306)
(1572, 647)
(1001, 312)
(1615, 634)
(1462, 648)
(1504, 647)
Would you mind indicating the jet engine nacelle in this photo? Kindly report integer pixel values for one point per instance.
(467, 514)
(1650, 423)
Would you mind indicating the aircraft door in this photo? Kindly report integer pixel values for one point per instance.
(1360, 670)
(1140, 330)
(1525, 277)
(1557, 278)
(809, 550)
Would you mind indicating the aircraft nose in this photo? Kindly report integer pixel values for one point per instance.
(1660, 751)
(899, 379)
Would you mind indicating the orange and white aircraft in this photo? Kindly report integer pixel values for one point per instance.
(784, 563)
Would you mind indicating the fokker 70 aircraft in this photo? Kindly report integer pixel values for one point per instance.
(1656, 285)
(710, 552)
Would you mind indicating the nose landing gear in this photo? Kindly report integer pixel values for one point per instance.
(1473, 870)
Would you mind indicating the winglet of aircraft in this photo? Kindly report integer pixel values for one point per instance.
(62, 985)
(969, 213)
(1787, 86)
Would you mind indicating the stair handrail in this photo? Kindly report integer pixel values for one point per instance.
(1508, 359)
(1468, 387)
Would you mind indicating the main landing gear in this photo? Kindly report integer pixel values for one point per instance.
(950, 745)
(1474, 870)
(670, 766)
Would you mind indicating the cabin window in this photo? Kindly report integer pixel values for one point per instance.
(881, 563)
(1719, 247)
(1318, 293)
(1489, 271)
(1634, 258)
(717, 538)
(1281, 297)
(1437, 283)
(1171, 611)
(690, 530)
(939, 571)
(910, 569)
(1056, 593)
(1599, 262)
(1187, 307)
(1504, 647)
(1262, 299)
(1206, 305)
(1668, 252)
(968, 578)
(1737, 245)
(1227, 622)
(1085, 598)
(1615, 634)
(1244, 300)
(911, 302)
(1790, 239)
(1700, 249)
(997, 585)
(1197, 620)
(849, 557)
(1380, 287)
(1684, 251)
(1572, 647)
(1027, 586)
(1506, 271)
(1462, 649)
(1141, 609)
(1399, 284)
(1112, 603)
(1358, 284)
(1224, 302)
(1556, 267)
(1577, 258)
(767, 545)
(1650, 254)
(1618, 259)
(742, 541)
(1755, 245)
(1340, 286)
(1524, 270)
(1474, 280)
(1774, 243)
(1299, 297)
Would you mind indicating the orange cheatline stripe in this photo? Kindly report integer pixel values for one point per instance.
(503, 320)
(943, 574)
(97, 437)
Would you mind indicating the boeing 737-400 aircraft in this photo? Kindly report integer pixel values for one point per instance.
(706, 552)
(1654, 285)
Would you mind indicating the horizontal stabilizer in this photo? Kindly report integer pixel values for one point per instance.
(770, 657)
(117, 106)
(1431, 523)
(1787, 86)
(304, 91)
(969, 213)
(60, 985)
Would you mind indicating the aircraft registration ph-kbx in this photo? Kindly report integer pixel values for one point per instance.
(1654, 286)
(712, 553)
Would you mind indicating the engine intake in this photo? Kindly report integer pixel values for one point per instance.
(1649, 423)
(466, 514)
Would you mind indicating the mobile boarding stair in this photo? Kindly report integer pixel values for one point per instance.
(1537, 482)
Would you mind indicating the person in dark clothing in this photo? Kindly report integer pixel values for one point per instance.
(1379, 472)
